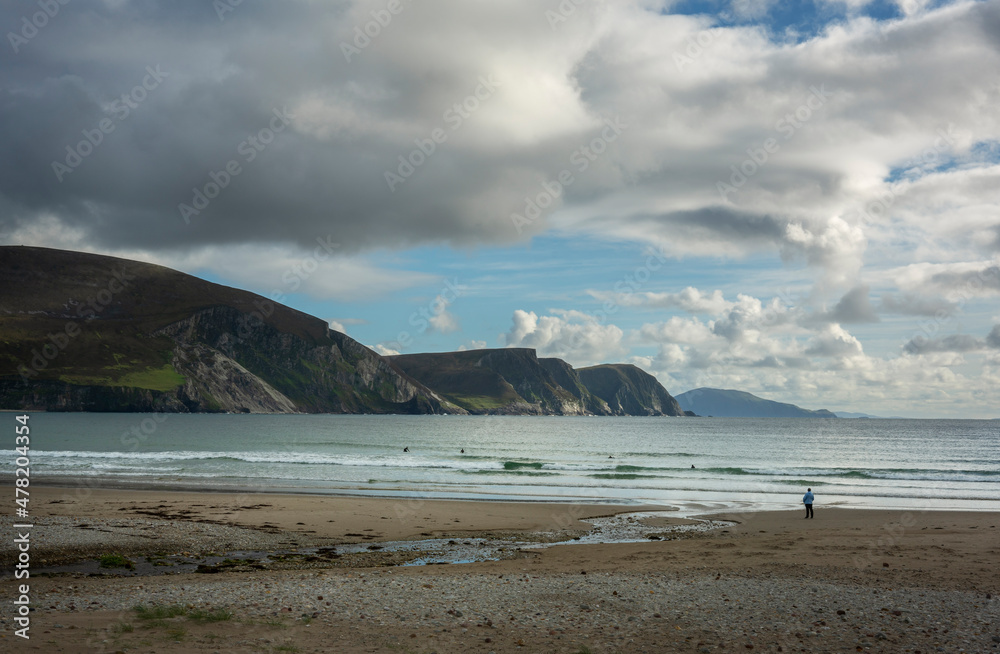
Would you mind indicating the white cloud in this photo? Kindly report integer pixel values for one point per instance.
(690, 299)
(571, 335)
(441, 319)
(472, 345)
(385, 351)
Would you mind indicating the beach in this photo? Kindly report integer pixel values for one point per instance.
(881, 581)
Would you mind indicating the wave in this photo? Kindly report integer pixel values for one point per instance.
(622, 475)
(521, 465)
(168, 462)
(526, 473)
(901, 474)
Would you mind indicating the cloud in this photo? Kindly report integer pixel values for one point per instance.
(546, 95)
(690, 299)
(984, 281)
(571, 335)
(854, 307)
(340, 324)
(441, 320)
(834, 341)
(993, 339)
(957, 343)
(315, 272)
(385, 351)
(472, 345)
(915, 305)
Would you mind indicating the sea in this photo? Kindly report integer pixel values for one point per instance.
(689, 464)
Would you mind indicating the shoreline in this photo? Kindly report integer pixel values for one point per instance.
(686, 506)
(878, 580)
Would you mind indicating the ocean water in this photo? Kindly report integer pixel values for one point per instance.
(691, 463)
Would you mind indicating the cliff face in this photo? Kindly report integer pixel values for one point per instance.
(339, 376)
(514, 380)
(504, 381)
(82, 332)
(569, 378)
(629, 390)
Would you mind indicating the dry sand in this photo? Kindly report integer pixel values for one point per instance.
(849, 580)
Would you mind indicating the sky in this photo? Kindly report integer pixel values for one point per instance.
(794, 199)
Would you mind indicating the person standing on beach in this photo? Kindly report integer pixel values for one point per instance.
(807, 499)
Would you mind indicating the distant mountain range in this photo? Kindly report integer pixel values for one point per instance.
(85, 332)
(738, 404)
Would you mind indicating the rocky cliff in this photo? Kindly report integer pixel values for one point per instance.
(515, 380)
(502, 381)
(629, 391)
(83, 332)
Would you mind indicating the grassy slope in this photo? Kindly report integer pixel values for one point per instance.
(50, 292)
(455, 376)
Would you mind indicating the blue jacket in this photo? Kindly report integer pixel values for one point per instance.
(807, 498)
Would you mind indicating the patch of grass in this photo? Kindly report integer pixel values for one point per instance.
(287, 648)
(158, 611)
(154, 379)
(122, 628)
(477, 402)
(176, 633)
(214, 615)
(115, 561)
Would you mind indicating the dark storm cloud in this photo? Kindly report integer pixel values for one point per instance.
(220, 84)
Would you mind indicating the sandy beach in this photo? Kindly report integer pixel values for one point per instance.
(849, 580)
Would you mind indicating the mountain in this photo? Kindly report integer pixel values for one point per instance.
(516, 381)
(737, 404)
(628, 390)
(86, 332)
